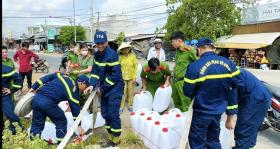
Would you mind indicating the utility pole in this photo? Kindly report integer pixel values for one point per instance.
(74, 21)
(46, 31)
(98, 20)
(91, 20)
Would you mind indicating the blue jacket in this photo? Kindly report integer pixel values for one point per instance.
(253, 93)
(106, 72)
(209, 80)
(59, 87)
(9, 74)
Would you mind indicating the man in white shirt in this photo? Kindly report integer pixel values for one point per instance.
(157, 51)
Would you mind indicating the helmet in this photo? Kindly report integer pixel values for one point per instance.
(194, 42)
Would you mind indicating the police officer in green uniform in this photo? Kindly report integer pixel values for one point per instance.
(154, 74)
(72, 63)
(184, 56)
(5, 60)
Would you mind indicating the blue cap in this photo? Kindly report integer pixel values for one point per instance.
(100, 37)
(84, 79)
(204, 41)
(194, 42)
(187, 42)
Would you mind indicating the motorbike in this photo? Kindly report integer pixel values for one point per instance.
(62, 66)
(272, 118)
(41, 65)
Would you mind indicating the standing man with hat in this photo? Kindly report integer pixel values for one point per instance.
(107, 76)
(184, 56)
(157, 51)
(208, 81)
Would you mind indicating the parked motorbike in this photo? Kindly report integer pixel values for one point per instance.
(41, 65)
(272, 118)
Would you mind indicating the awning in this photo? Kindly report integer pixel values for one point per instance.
(247, 41)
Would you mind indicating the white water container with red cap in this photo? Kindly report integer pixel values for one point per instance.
(169, 138)
(143, 100)
(162, 98)
(143, 122)
(160, 123)
(148, 125)
(134, 118)
(224, 136)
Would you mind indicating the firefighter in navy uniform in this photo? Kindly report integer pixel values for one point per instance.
(50, 90)
(9, 75)
(250, 105)
(107, 76)
(208, 82)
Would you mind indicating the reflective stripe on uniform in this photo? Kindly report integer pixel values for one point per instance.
(9, 74)
(207, 77)
(110, 82)
(232, 107)
(40, 82)
(109, 64)
(74, 85)
(16, 86)
(67, 89)
(116, 130)
(59, 139)
(94, 76)
(252, 147)
(107, 127)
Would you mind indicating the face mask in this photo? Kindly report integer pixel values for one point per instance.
(84, 53)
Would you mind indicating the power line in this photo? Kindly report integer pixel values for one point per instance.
(56, 17)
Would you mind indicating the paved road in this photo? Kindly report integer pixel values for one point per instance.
(268, 139)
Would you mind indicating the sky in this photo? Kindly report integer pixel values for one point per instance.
(149, 14)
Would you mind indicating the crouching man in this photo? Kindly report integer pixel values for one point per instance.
(50, 90)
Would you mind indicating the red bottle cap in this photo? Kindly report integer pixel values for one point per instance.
(165, 129)
(178, 115)
(132, 113)
(149, 118)
(142, 114)
(157, 122)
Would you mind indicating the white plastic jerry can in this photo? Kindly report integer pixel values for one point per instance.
(143, 100)
(150, 121)
(138, 79)
(160, 123)
(143, 123)
(134, 119)
(169, 138)
(100, 121)
(162, 98)
(63, 105)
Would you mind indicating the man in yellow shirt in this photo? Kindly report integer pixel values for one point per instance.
(129, 65)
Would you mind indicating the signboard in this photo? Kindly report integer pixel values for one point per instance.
(261, 13)
(50, 47)
(51, 33)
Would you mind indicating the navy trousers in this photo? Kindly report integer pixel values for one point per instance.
(205, 131)
(8, 109)
(249, 119)
(45, 107)
(110, 106)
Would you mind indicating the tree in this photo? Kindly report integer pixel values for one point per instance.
(120, 38)
(207, 18)
(66, 35)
